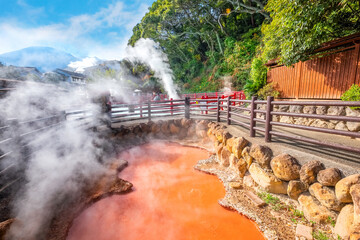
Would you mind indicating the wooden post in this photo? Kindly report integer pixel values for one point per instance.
(171, 106)
(149, 111)
(206, 112)
(228, 110)
(187, 107)
(298, 79)
(252, 116)
(218, 110)
(141, 110)
(268, 127)
(222, 102)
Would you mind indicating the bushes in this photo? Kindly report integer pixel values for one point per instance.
(353, 94)
(268, 90)
(257, 79)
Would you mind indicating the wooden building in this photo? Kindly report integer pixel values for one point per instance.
(327, 75)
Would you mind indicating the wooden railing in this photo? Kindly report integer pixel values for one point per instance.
(234, 111)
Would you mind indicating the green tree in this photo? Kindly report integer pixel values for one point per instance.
(300, 26)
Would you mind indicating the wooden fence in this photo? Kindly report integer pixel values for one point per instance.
(234, 111)
(326, 77)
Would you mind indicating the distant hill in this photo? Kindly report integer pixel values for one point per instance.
(43, 58)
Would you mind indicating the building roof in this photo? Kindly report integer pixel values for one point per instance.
(70, 73)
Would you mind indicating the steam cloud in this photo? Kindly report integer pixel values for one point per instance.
(63, 158)
(148, 51)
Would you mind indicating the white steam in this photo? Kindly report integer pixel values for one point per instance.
(80, 66)
(149, 52)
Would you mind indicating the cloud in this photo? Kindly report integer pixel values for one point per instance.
(30, 10)
(87, 32)
(84, 63)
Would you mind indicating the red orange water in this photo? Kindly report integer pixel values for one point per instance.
(170, 201)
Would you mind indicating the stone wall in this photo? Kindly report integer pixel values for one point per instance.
(322, 193)
(320, 110)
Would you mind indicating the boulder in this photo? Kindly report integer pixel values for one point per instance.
(301, 121)
(344, 222)
(248, 181)
(341, 126)
(241, 167)
(225, 157)
(342, 188)
(309, 171)
(287, 119)
(4, 227)
(261, 154)
(296, 109)
(326, 196)
(211, 135)
(320, 123)
(246, 155)
(284, 108)
(295, 188)
(355, 194)
(186, 122)
(218, 151)
(285, 167)
(230, 143)
(222, 135)
(313, 210)
(165, 128)
(183, 133)
(321, 110)
(267, 180)
(309, 109)
(155, 128)
(353, 126)
(202, 125)
(174, 129)
(233, 160)
(329, 177)
(304, 232)
(201, 134)
(336, 111)
(238, 145)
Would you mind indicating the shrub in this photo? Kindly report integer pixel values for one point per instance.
(353, 94)
(268, 90)
(257, 77)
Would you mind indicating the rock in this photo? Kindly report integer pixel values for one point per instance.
(225, 157)
(165, 128)
(331, 124)
(329, 176)
(285, 167)
(186, 122)
(174, 129)
(202, 125)
(183, 133)
(283, 108)
(301, 121)
(267, 180)
(309, 109)
(309, 171)
(255, 199)
(155, 128)
(233, 160)
(222, 135)
(342, 188)
(235, 185)
(353, 126)
(230, 143)
(336, 111)
(313, 210)
(211, 135)
(319, 123)
(341, 126)
(304, 232)
(218, 151)
(296, 109)
(246, 155)
(201, 134)
(321, 110)
(287, 119)
(4, 227)
(295, 188)
(238, 145)
(261, 154)
(352, 112)
(276, 118)
(241, 167)
(325, 196)
(344, 222)
(355, 194)
(249, 182)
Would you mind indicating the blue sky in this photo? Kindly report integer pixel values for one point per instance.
(83, 28)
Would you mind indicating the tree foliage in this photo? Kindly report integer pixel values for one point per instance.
(299, 26)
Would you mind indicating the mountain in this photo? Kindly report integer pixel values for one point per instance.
(44, 58)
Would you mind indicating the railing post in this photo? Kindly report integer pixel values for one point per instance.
(268, 127)
(187, 107)
(228, 110)
(206, 112)
(141, 110)
(252, 116)
(149, 111)
(222, 102)
(171, 106)
(218, 110)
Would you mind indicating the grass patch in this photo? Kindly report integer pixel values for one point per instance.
(319, 235)
(271, 200)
